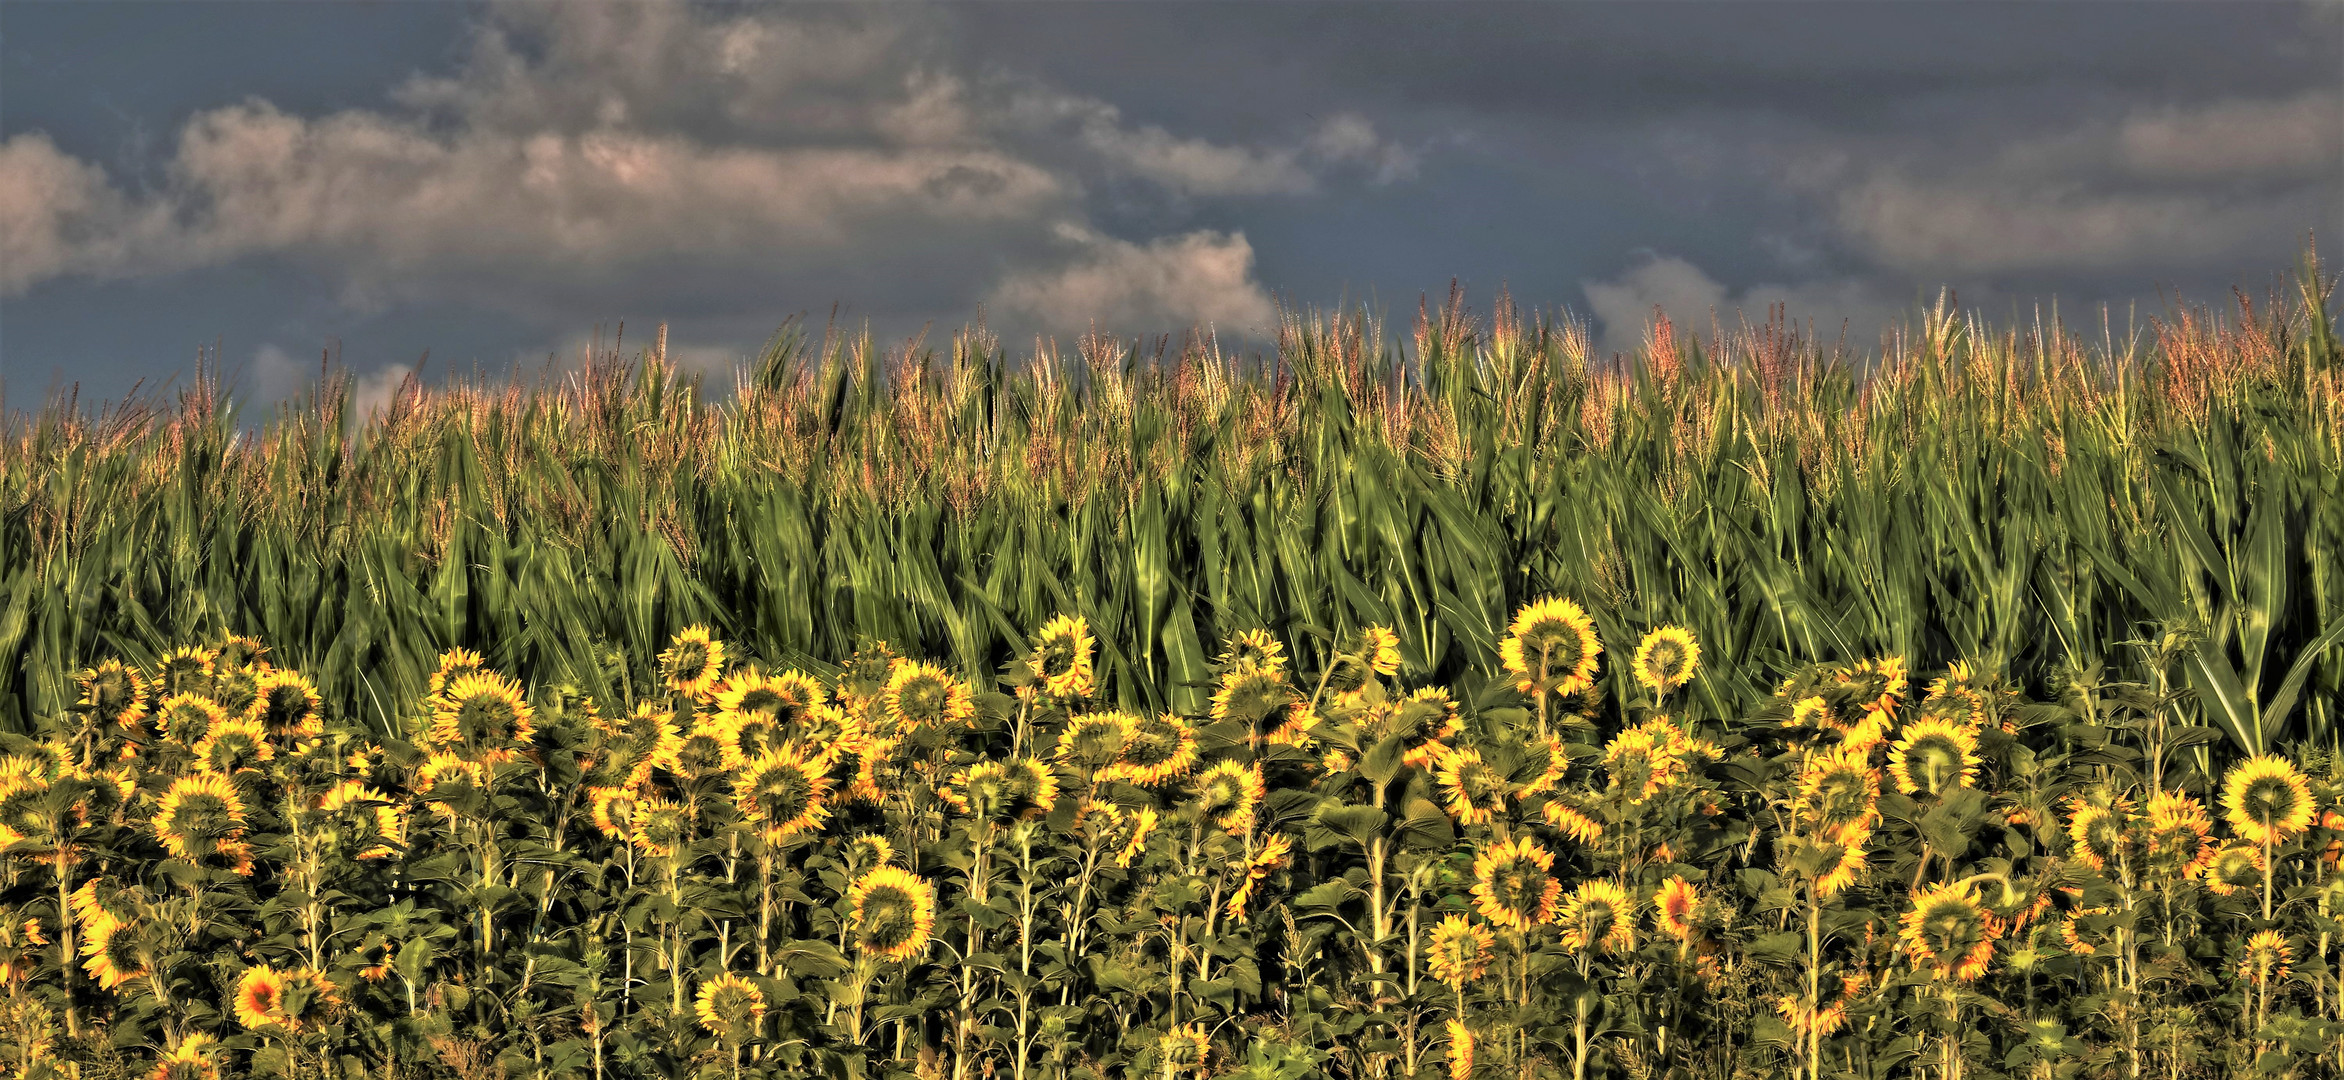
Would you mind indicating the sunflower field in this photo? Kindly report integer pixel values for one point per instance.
(1743, 708)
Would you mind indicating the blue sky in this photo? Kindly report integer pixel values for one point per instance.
(489, 183)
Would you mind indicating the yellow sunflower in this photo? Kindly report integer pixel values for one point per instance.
(690, 663)
(183, 669)
(730, 1007)
(260, 998)
(1551, 648)
(234, 744)
(1184, 1049)
(892, 911)
(1256, 649)
(1598, 915)
(287, 705)
(114, 693)
(385, 825)
(1143, 824)
(1249, 696)
(2100, 831)
(1227, 794)
(1094, 741)
(1934, 755)
(1675, 906)
(2238, 866)
(1460, 1049)
(2266, 800)
(1258, 867)
(740, 734)
(455, 664)
(1950, 932)
(199, 811)
(660, 827)
(789, 698)
(1458, 951)
(2267, 958)
(1061, 660)
(1667, 659)
(1160, 747)
(782, 791)
(484, 718)
(185, 718)
(1379, 649)
(1839, 794)
(2180, 839)
(1511, 887)
(1474, 791)
(190, 1060)
(446, 777)
(921, 695)
(614, 810)
(111, 954)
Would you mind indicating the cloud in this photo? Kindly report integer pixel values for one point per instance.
(1167, 284)
(1623, 307)
(684, 158)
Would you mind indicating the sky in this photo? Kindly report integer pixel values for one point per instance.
(477, 188)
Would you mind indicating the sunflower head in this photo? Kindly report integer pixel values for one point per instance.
(484, 718)
(694, 753)
(891, 913)
(455, 664)
(113, 693)
(1159, 748)
(1475, 791)
(782, 791)
(1184, 1049)
(1666, 660)
(922, 697)
(2102, 831)
(112, 954)
(1227, 794)
(614, 810)
(865, 851)
(730, 1007)
(1061, 659)
(1933, 756)
(2236, 867)
(1598, 915)
(190, 1060)
(788, 698)
(1676, 908)
(2267, 800)
(199, 812)
(1949, 932)
(1094, 741)
(1551, 647)
(1250, 696)
(1258, 650)
(187, 669)
(2266, 959)
(1460, 1049)
(449, 778)
(660, 827)
(690, 663)
(1511, 886)
(1458, 951)
(185, 718)
(288, 706)
(1379, 650)
(235, 744)
(1839, 794)
(2178, 840)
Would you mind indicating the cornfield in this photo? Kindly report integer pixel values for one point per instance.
(1468, 704)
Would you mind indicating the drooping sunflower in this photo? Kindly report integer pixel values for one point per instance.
(1379, 649)
(1572, 820)
(1250, 696)
(1598, 915)
(2179, 841)
(1933, 756)
(2085, 931)
(2266, 959)
(185, 718)
(1227, 794)
(2266, 800)
(1839, 794)
(2101, 830)
(1428, 718)
(1675, 907)
(1256, 649)
(1667, 659)
(782, 791)
(1949, 931)
(200, 810)
(892, 912)
(696, 753)
(1551, 648)
(1511, 886)
(1458, 951)
(867, 850)
(1184, 1049)
(1475, 791)
(1061, 660)
(372, 822)
(1460, 1049)
(445, 777)
(2235, 867)
(614, 810)
(190, 1060)
(730, 1007)
(921, 695)
(484, 718)
(1159, 748)
(1093, 741)
(691, 662)
(113, 693)
(111, 954)
(287, 705)
(1268, 859)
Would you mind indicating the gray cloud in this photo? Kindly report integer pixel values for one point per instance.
(1623, 307)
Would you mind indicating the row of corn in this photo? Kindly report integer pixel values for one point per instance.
(900, 870)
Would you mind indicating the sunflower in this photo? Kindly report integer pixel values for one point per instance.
(740, 734)
(1160, 747)
(920, 695)
(114, 693)
(2232, 868)
(1839, 794)
(1573, 821)
(1142, 825)
(1258, 868)
(2267, 958)
(234, 744)
(1834, 860)
(187, 1061)
(1645, 760)
(185, 718)
(659, 827)
(1951, 932)
(1184, 1048)
(1474, 790)
(198, 812)
(1551, 647)
(1511, 887)
(891, 912)
(1255, 649)
(386, 823)
(1933, 756)
(1675, 906)
(1427, 719)
(730, 1007)
(1093, 741)
(483, 717)
(111, 954)
(1458, 951)
(455, 664)
(1667, 659)
(1227, 794)
(1817, 1022)
(1460, 1050)
(2266, 800)
(867, 850)
(2100, 832)
(695, 754)
(1250, 696)
(1379, 649)
(446, 777)
(790, 697)
(691, 661)
(614, 810)
(260, 998)
(2081, 934)
(2179, 841)
(782, 790)
(183, 669)
(1598, 915)
(1061, 660)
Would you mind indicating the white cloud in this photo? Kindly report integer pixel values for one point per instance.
(1167, 284)
(1623, 307)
